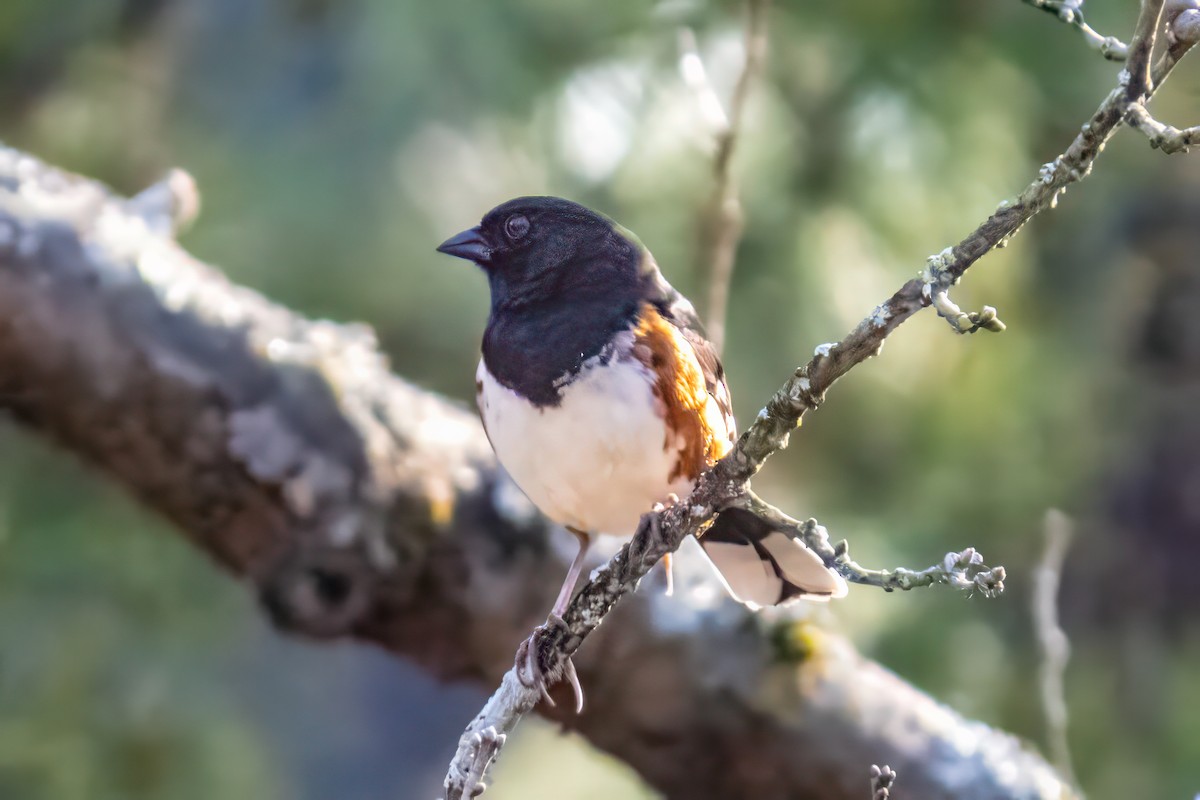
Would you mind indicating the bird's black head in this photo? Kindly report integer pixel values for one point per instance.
(564, 281)
(539, 250)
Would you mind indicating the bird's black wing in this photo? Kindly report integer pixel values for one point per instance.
(759, 565)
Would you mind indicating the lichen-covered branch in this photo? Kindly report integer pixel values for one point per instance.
(358, 505)
(964, 570)
(727, 481)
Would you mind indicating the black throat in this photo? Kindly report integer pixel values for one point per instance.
(538, 350)
(540, 334)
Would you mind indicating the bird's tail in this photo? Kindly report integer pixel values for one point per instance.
(761, 565)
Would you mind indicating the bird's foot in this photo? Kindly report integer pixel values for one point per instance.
(648, 536)
(533, 675)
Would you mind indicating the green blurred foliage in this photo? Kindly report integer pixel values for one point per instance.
(335, 143)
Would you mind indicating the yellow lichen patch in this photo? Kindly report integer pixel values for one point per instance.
(799, 662)
(797, 641)
(441, 505)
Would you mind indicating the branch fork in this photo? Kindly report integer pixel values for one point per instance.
(1180, 21)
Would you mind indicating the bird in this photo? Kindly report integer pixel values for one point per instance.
(603, 399)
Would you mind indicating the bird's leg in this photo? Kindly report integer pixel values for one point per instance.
(528, 665)
(568, 587)
(658, 508)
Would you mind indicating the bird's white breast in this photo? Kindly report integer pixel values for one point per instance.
(595, 462)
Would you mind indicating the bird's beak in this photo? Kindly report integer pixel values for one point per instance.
(469, 244)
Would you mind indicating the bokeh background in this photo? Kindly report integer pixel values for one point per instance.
(336, 143)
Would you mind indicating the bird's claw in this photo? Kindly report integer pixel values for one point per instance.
(532, 675)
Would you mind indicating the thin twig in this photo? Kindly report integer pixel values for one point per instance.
(1052, 639)
(944, 269)
(882, 779)
(722, 220)
(1163, 137)
(1139, 82)
(695, 77)
(726, 482)
(963, 570)
(1071, 12)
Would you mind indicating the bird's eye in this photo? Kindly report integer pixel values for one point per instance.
(516, 226)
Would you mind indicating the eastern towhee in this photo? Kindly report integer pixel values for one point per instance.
(602, 398)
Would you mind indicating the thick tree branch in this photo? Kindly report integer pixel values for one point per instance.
(358, 505)
(727, 481)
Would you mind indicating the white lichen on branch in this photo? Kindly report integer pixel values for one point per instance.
(963, 570)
